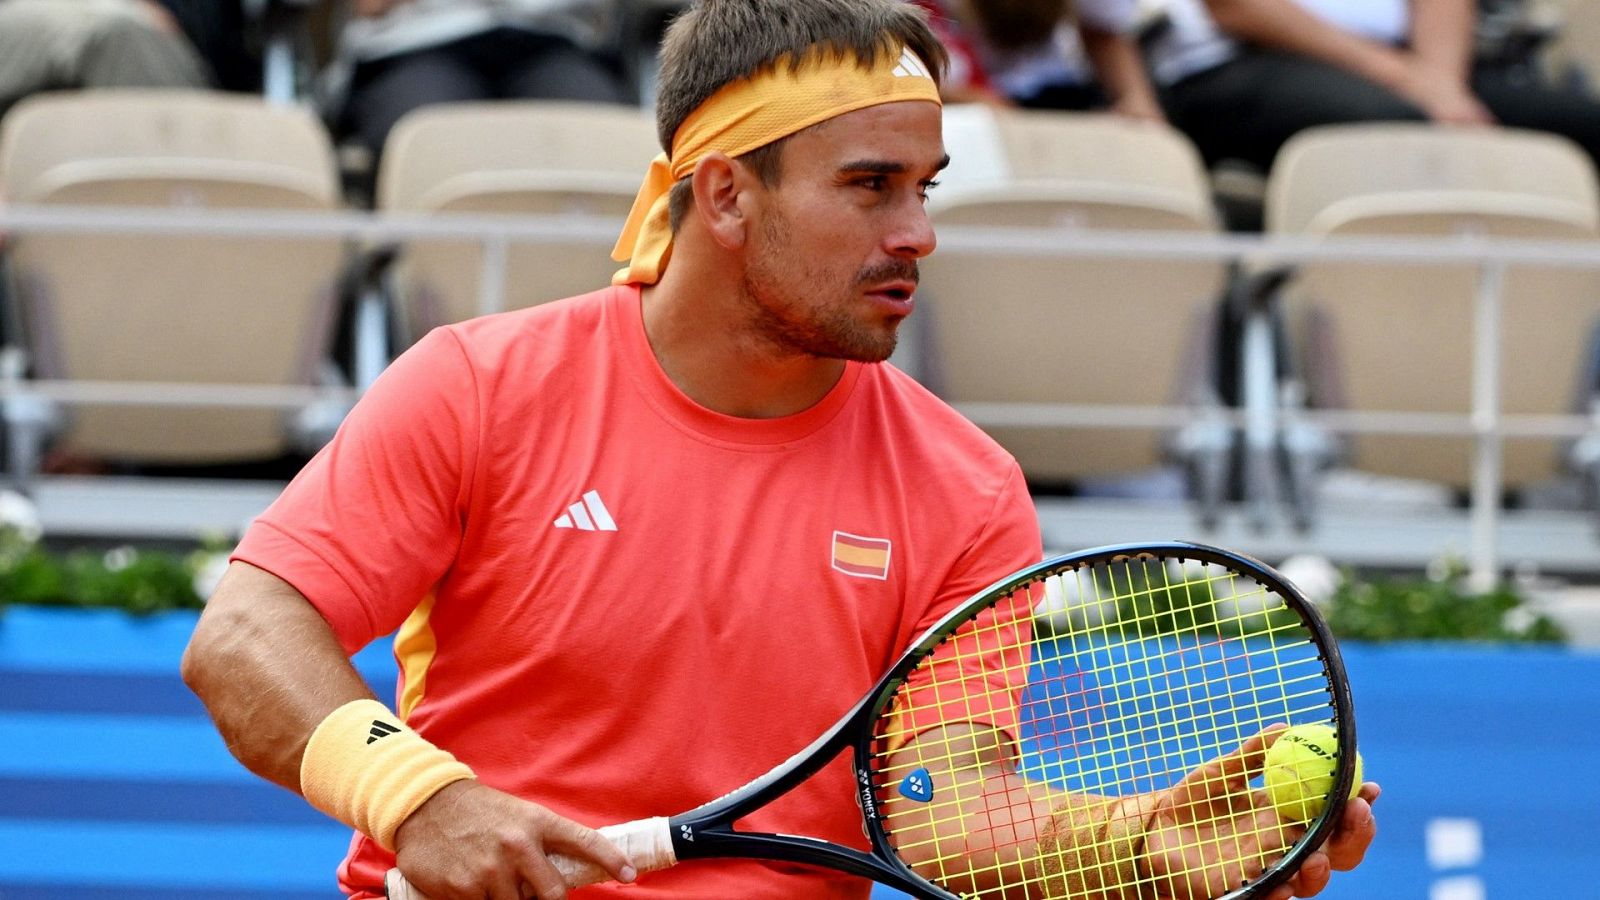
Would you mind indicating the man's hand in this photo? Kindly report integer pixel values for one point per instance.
(472, 841)
(1211, 832)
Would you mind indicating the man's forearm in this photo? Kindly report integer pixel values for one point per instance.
(269, 670)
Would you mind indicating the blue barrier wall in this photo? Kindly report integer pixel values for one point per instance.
(112, 783)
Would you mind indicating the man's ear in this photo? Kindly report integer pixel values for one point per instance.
(720, 185)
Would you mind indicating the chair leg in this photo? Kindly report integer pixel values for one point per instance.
(28, 420)
(1259, 399)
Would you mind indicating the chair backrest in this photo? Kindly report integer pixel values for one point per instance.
(206, 309)
(511, 157)
(1013, 327)
(1399, 337)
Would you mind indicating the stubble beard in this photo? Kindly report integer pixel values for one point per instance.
(826, 330)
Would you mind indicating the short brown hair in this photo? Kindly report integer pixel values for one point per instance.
(716, 42)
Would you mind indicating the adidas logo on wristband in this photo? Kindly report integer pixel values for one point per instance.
(381, 729)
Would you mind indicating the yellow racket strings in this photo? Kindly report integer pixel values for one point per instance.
(1153, 667)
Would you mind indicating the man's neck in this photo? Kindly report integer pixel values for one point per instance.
(699, 330)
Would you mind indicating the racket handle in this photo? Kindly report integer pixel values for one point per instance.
(646, 842)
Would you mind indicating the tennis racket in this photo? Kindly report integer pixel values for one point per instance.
(1093, 725)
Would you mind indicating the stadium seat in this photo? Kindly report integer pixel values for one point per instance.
(505, 158)
(1036, 334)
(186, 309)
(1399, 338)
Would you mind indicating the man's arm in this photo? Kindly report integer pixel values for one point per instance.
(270, 670)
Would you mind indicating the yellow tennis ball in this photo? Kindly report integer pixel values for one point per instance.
(1299, 771)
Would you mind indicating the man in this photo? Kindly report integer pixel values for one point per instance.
(1241, 77)
(626, 510)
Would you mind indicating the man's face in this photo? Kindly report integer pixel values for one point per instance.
(832, 257)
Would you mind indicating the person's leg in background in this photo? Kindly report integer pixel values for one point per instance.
(141, 45)
(1242, 113)
(49, 45)
(1520, 101)
(1249, 107)
(384, 90)
(546, 67)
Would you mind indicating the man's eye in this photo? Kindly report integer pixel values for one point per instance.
(874, 183)
(928, 186)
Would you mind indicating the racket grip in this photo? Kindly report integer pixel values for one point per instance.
(646, 842)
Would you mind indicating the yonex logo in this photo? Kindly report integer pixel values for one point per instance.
(588, 514)
(911, 66)
(381, 729)
(917, 786)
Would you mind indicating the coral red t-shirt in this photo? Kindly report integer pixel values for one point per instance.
(635, 604)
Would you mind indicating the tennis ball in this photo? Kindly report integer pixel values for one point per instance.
(1299, 771)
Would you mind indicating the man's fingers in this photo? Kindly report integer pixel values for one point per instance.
(1313, 875)
(543, 879)
(1355, 833)
(592, 846)
(1228, 774)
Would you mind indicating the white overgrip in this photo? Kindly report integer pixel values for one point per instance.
(646, 842)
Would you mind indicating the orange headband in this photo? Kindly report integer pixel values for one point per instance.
(748, 114)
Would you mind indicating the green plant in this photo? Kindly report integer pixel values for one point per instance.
(138, 581)
(1440, 607)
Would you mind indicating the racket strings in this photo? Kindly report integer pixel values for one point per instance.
(1156, 667)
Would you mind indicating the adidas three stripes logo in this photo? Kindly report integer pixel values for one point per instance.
(381, 729)
(588, 514)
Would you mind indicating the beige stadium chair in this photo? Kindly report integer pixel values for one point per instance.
(1393, 337)
(164, 309)
(1017, 328)
(507, 158)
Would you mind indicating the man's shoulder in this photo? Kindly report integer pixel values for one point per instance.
(541, 328)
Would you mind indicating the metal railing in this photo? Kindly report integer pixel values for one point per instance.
(1485, 422)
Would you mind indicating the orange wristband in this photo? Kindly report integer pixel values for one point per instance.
(364, 767)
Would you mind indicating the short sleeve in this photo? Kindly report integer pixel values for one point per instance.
(375, 519)
(979, 673)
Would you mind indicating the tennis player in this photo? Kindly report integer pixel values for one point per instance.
(643, 544)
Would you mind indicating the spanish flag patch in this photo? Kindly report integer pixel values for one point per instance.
(863, 557)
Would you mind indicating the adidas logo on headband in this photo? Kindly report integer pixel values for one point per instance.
(911, 66)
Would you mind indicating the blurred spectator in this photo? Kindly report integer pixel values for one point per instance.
(1051, 54)
(51, 44)
(1243, 76)
(397, 55)
(225, 38)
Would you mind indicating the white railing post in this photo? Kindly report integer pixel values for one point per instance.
(492, 288)
(1484, 568)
